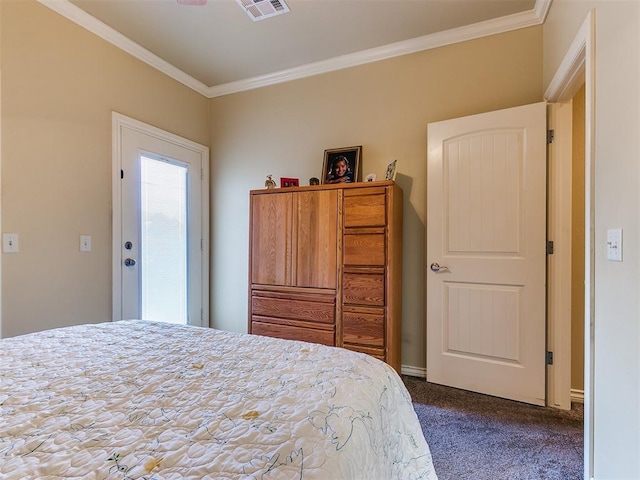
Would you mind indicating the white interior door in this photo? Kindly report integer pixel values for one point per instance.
(160, 224)
(486, 251)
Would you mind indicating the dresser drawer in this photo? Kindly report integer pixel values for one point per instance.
(363, 289)
(365, 210)
(364, 249)
(374, 352)
(289, 332)
(291, 306)
(363, 326)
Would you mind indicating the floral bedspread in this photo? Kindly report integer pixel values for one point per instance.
(145, 400)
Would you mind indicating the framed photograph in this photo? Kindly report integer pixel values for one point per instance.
(391, 171)
(289, 182)
(341, 165)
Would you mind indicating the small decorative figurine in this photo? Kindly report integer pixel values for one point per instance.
(270, 182)
(314, 181)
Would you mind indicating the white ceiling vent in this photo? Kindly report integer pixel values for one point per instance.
(261, 9)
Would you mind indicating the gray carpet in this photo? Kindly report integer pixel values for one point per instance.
(478, 437)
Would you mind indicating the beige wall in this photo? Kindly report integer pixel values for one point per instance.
(385, 107)
(60, 84)
(616, 334)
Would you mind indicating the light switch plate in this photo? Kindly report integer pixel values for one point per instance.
(614, 245)
(10, 243)
(85, 243)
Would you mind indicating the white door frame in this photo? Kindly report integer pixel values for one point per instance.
(559, 278)
(120, 122)
(578, 68)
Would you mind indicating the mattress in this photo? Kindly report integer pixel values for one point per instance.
(145, 400)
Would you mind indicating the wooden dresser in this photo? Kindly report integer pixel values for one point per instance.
(325, 266)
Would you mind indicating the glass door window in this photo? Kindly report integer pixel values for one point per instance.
(163, 240)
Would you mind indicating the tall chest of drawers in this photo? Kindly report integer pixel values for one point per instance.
(325, 266)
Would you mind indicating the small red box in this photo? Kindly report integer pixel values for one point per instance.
(289, 182)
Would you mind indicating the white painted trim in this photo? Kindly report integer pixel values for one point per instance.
(116, 222)
(542, 9)
(118, 123)
(413, 371)
(571, 73)
(426, 42)
(507, 23)
(583, 52)
(577, 396)
(559, 280)
(590, 155)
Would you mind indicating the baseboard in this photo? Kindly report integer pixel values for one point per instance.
(413, 371)
(577, 395)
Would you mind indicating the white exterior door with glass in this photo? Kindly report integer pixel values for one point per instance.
(160, 221)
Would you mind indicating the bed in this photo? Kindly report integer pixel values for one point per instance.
(147, 400)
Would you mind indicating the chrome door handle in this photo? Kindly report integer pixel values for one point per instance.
(437, 268)
(129, 262)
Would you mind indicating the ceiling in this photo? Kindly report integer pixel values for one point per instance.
(217, 48)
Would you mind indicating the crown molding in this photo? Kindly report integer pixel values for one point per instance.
(542, 9)
(470, 32)
(530, 18)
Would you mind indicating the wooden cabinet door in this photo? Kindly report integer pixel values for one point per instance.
(316, 242)
(271, 222)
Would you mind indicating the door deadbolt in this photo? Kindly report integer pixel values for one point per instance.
(129, 262)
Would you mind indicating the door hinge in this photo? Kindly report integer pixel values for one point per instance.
(549, 247)
(551, 135)
(121, 174)
(549, 358)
